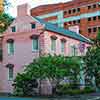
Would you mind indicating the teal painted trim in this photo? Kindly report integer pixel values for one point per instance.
(61, 20)
(78, 17)
(53, 21)
(87, 15)
(59, 17)
(49, 15)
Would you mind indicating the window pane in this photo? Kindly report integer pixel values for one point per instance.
(78, 9)
(53, 44)
(33, 26)
(89, 30)
(78, 21)
(94, 18)
(14, 29)
(74, 22)
(89, 19)
(74, 10)
(10, 73)
(89, 7)
(35, 44)
(10, 48)
(69, 11)
(94, 6)
(94, 29)
(74, 50)
(62, 47)
(98, 17)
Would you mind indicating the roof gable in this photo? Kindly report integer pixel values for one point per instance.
(49, 26)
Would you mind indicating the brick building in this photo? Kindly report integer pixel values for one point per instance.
(82, 13)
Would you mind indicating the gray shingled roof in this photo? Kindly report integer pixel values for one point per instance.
(51, 27)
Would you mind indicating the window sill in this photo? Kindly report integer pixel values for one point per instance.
(10, 80)
(35, 51)
(10, 54)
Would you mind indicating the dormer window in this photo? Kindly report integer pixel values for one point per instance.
(13, 29)
(33, 26)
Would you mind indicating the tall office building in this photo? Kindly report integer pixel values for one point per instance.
(84, 14)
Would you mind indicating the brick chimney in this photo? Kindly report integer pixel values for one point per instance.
(23, 10)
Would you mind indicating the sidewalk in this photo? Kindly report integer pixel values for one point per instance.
(93, 96)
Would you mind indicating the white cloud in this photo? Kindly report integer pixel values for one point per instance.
(13, 9)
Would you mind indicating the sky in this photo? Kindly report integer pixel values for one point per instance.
(12, 10)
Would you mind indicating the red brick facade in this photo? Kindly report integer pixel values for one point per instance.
(88, 25)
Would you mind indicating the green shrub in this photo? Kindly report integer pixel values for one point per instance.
(61, 89)
(24, 85)
(68, 89)
(88, 90)
(74, 92)
(51, 67)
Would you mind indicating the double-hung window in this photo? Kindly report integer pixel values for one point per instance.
(10, 71)
(10, 47)
(10, 68)
(13, 29)
(33, 26)
(35, 43)
(74, 51)
(63, 42)
(53, 43)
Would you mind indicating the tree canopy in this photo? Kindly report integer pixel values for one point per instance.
(92, 61)
(51, 67)
(5, 21)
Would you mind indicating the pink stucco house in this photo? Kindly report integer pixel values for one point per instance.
(28, 38)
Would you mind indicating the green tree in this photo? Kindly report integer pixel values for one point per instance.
(6, 3)
(74, 68)
(51, 67)
(5, 21)
(92, 60)
(98, 35)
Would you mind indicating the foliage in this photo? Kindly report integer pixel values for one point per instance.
(98, 35)
(67, 89)
(51, 67)
(6, 4)
(5, 21)
(92, 60)
(25, 85)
